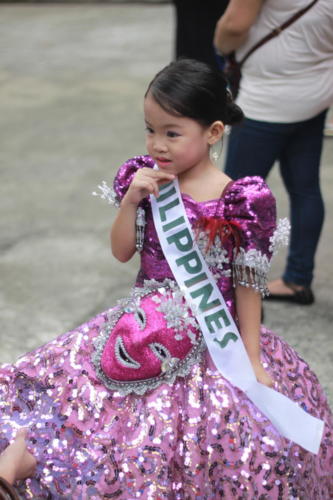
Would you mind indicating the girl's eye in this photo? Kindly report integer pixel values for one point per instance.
(172, 134)
(149, 130)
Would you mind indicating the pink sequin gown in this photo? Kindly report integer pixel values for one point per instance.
(198, 439)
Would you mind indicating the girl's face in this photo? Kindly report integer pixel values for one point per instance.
(176, 143)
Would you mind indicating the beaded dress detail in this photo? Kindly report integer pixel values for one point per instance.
(194, 437)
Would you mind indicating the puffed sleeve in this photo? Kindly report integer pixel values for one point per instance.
(250, 204)
(114, 195)
(126, 173)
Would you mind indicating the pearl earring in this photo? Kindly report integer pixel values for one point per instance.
(215, 151)
(215, 156)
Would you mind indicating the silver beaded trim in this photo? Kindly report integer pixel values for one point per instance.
(171, 367)
(250, 269)
(140, 223)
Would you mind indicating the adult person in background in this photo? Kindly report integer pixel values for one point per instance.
(15, 463)
(285, 90)
(195, 26)
(328, 130)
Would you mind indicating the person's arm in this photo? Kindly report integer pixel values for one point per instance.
(233, 27)
(123, 231)
(248, 305)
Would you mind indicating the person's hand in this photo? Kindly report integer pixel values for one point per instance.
(261, 375)
(146, 181)
(16, 462)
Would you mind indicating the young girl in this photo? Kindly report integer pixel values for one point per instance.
(132, 404)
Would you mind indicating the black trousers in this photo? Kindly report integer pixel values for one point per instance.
(195, 26)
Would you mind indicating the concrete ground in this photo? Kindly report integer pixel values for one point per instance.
(72, 79)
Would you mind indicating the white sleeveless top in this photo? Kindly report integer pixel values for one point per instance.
(290, 78)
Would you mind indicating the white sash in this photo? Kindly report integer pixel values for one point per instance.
(218, 327)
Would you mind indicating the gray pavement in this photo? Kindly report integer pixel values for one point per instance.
(72, 79)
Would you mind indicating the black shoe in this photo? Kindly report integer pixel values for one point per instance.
(303, 296)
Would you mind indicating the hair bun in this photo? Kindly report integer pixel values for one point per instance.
(191, 88)
(233, 114)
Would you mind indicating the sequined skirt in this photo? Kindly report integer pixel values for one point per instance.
(199, 438)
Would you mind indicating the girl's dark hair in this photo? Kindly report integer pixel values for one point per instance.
(193, 89)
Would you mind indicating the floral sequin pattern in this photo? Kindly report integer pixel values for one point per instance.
(197, 439)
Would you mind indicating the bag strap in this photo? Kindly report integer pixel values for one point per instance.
(277, 31)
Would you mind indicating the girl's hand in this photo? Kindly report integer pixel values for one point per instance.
(262, 375)
(146, 181)
(16, 462)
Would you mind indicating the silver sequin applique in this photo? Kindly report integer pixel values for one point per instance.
(108, 194)
(280, 237)
(215, 255)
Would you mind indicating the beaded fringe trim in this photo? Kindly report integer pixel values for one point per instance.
(140, 223)
(250, 269)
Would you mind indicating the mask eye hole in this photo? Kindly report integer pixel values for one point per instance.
(160, 351)
(123, 357)
(140, 317)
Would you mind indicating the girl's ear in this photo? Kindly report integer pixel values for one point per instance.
(215, 132)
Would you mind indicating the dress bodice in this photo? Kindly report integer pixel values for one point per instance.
(247, 204)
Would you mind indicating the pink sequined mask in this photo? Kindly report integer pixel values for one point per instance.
(151, 338)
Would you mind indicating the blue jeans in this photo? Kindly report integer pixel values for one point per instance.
(253, 148)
